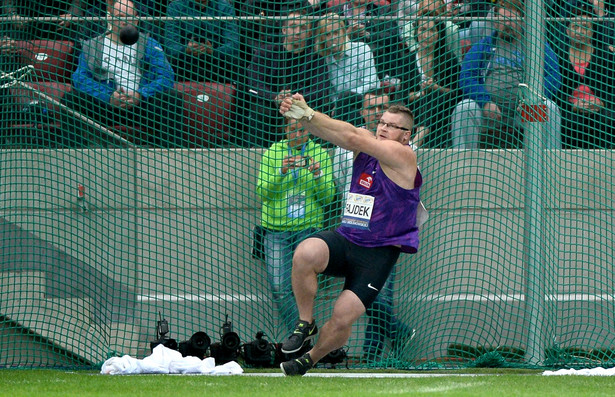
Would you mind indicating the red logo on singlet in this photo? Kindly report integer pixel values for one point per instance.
(366, 180)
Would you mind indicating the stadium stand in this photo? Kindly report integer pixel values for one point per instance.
(37, 122)
(53, 60)
(207, 112)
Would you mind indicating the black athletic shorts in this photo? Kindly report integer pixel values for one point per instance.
(365, 269)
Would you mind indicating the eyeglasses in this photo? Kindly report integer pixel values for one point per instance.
(391, 125)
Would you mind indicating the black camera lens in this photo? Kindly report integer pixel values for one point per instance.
(200, 340)
(230, 341)
(196, 346)
(262, 345)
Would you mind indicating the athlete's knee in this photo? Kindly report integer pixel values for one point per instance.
(311, 255)
(340, 322)
(347, 310)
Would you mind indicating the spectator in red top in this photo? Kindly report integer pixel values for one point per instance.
(587, 96)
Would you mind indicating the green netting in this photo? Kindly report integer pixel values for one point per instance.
(123, 210)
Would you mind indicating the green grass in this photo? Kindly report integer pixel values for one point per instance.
(42, 382)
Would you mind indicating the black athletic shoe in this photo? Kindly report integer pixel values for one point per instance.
(304, 332)
(298, 366)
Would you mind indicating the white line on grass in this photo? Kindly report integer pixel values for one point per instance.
(361, 375)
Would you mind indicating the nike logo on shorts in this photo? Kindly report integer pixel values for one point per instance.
(372, 287)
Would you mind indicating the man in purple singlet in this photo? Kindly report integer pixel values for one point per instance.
(379, 222)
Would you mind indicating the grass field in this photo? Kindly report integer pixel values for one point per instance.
(41, 382)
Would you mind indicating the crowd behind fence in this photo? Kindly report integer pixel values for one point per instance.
(242, 45)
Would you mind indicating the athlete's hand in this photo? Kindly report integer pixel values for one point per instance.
(295, 107)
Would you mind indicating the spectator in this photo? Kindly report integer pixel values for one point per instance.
(490, 76)
(604, 29)
(101, 8)
(351, 64)
(438, 92)
(462, 30)
(427, 8)
(587, 97)
(129, 85)
(203, 49)
(295, 183)
(64, 29)
(382, 323)
(482, 25)
(277, 69)
(372, 105)
(259, 32)
(348, 107)
(370, 22)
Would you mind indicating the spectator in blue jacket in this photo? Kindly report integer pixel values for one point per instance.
(202, 49)
(490, 76)
(127, 85)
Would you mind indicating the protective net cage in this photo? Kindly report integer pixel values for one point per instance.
(147, 198)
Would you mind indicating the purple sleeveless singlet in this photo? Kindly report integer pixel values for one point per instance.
(393, 217)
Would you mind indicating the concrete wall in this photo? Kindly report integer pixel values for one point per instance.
(170, 233)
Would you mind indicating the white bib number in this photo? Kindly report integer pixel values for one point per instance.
(358, 211)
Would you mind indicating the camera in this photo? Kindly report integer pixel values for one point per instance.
(162, 329)
(335, 357)
(228, 348)
(196, 346)
(260, 352)
(305, 162)
(230, 340)
(281, 357)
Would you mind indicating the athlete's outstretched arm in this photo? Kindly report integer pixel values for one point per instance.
(337, 132)
(397, 156)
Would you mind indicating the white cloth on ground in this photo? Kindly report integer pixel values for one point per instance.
(167, 361)
(599, 371)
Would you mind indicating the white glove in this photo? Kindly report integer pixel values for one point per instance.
(299, 110)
